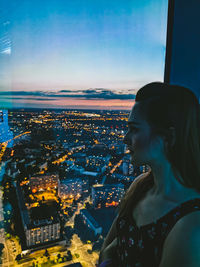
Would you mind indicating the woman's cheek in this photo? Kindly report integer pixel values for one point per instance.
(140, 144)
(140, 148)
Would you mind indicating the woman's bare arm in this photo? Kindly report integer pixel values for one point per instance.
(111, 234)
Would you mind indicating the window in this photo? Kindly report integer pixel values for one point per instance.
(69, 71)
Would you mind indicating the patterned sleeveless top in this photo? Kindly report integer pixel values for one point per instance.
(142, 246)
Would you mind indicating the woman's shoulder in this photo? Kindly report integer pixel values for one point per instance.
(182, 243)
(189, 221)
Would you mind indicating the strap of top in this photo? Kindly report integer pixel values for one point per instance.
(181, 210)
(170, 218)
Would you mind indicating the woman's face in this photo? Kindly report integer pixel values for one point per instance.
(144, 149)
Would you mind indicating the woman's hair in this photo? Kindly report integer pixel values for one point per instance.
(163, 106)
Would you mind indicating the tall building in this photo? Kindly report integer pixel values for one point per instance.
(5, 133)
(41, 224)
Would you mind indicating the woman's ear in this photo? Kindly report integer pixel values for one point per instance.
(170, 137)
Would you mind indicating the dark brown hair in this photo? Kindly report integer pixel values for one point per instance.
(164, 105)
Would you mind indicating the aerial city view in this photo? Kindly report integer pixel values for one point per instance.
(63, 174)
(69, 73)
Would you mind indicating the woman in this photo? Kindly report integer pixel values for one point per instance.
(156, 224)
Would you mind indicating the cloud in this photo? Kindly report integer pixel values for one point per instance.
(68, 91)
(28, 98)
(21, 93)
(92, 93)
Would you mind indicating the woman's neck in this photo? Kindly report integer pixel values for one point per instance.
(167, 186)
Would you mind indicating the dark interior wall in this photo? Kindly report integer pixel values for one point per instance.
(183, 44)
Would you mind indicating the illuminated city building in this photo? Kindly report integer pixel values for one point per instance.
(127, 166)
(41, 224)
(6, 134)
(97, 163)
(119, 148)
(45, 182)
(107, 195)
(70, 188)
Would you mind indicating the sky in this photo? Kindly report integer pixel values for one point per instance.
(92, 53)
